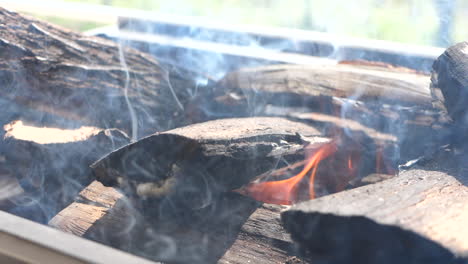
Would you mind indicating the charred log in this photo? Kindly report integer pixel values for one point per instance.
(330, 238)
(186, 168)
(55, 77)
(450, 88)
(418, 216)
(47, 167)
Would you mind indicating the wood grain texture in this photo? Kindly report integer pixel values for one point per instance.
(92, 203)
(246, 231)
(342, 80)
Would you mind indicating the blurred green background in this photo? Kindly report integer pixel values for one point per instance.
(426, 22)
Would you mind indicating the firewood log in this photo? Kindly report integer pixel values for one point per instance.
(47, 167)
(239, 231)
(56, 77)
(417, 217)
(390, 100)
(186, 168)
(450, 88)
(286, 84)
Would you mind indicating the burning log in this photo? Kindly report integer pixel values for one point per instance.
(46, 167)
(51, 76)
(231, 153)
(409, 218)
(390, 100)
(190, 166)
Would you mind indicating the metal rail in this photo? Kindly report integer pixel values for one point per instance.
(23, 241)
(166, 29)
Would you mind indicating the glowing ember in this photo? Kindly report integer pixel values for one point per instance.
(48, 135)
(286, 191)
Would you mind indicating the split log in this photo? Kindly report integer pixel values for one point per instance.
(232, 228)
(186, 168)
(389, 99)
(382, 90)
(46, 167)
(239, 231)
(450, 87)
(51, 76)
(361, 82)
(418, 217)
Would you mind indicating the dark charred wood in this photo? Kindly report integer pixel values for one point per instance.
(417, 217)
(55, 77)
(186, 168)
(330, 238)
(236, 231)
(450, 88)
(47, 167)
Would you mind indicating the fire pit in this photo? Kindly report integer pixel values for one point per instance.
(322, 162)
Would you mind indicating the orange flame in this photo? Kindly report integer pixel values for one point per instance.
(350, 163)
(285, 191)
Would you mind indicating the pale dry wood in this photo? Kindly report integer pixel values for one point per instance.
(92, 204)
(341, 80)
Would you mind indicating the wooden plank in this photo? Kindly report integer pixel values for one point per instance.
(427, 208)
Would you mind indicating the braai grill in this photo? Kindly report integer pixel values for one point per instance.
(181, 142)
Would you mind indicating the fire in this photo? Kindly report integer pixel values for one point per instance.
(286, 191)
(343, 161)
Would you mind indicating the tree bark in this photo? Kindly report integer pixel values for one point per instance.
(55, 77)
(450, 87)
(203, 160)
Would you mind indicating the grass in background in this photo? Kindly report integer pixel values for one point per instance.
(70, 24)
(408, 21)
